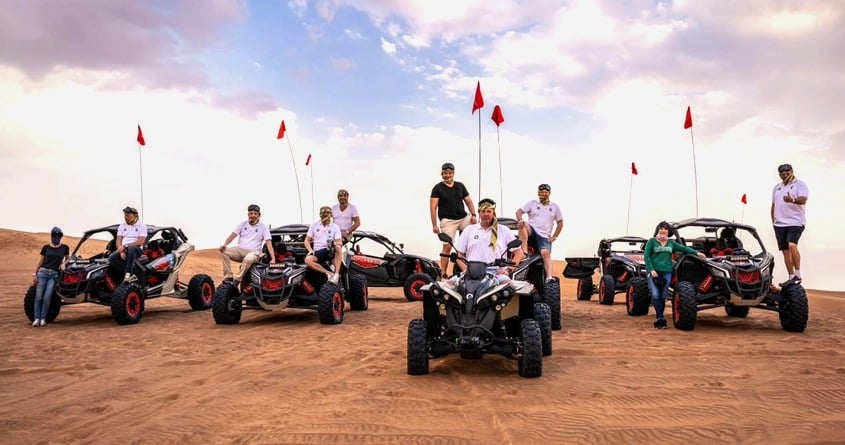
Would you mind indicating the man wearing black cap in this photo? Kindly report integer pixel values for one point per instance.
(789, 199)
(251, 235)
(131, 236)
(543, 216)
(446, 206)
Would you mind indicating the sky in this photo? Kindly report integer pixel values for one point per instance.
(380, 94)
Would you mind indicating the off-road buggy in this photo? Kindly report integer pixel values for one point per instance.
(621, 266)
(385, 263)
(289, 283)
(476, 315)
(736, 275)
(531, 269)
(89, 278)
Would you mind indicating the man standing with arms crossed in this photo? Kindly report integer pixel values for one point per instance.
(447, 209)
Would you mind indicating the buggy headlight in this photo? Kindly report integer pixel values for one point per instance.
(506, 293)
(718, 273)
(435, 291)
(766, 273)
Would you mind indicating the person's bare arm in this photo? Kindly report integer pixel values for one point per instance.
(432, 206)
(228, 240)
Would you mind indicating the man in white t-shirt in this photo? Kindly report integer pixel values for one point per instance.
(345, 214)
(543, 216)
(131, 236)
(486, 240)
(789, 199)
(251, 235)
(322, 240)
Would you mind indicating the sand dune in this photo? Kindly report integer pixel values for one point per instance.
(282, 377)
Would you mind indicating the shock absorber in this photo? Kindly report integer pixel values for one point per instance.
(706, 284)
(623, 277)
(110, 284)
(307, 287)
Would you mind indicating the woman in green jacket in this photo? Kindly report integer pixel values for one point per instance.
(658, 262)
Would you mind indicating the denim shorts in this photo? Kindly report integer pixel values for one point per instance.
(539, 242)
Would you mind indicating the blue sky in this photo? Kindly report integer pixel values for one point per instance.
(380, 93)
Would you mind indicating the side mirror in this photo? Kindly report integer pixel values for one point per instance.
(515, 243)
(444, 237)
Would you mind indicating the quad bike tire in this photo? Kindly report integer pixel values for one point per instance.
(794, 310)
(637, 297)
(684, 306)
(330, 304)
(607, 289)
(544, 318)
(359, 299)
(417, 349)
(200, 292)
(531, 361)
(551, 296)
(736, 311)
(127, 304)
(29, 305)
(584, 292)
(413, 284)
(226, 305)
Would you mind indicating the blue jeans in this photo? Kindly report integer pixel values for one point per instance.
(539, 242)
(44, 291)
(658, 295)
(132, 253)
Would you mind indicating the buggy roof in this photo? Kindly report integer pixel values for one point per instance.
(710, 222)
(113, 229)
(625, 239)
(293, 229)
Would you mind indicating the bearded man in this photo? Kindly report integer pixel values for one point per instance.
(543, 216)
(251, 234)
(131, 236)
(323, 242)
(789, 199)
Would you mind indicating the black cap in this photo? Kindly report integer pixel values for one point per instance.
(545, 187)
(447, 166)
(784, 168)
(128, 209)
(56, 231)
(253, 208)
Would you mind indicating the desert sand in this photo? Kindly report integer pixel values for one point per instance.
(282, 377)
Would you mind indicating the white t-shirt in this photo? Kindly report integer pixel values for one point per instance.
(542, 218)
(322, 235)
(131, 233)
(252, 237)
(474, 243)
(787, 213)
(343, 218)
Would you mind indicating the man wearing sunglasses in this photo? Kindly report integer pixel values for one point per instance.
(543, 216)
(789, 199)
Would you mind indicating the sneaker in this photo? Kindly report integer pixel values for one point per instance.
(660, 323)
(796, 280)
(129, 278)
(235, 282)
(549, 279)
(227, 279)
(43, 322)
(333, 278)
(36, 323)
(792, 280)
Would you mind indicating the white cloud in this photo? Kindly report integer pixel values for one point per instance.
(387, 47)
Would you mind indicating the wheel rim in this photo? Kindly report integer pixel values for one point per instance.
(416, 293)
(676, 305)
(602, 288)
(337, 305)
(207, 293)
(133, 304)
(629, 296)
(578, 290)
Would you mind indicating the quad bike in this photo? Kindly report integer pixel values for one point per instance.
(289, 283)
(385, 263)
(476, 315)
(734, 277)
(622, 268)
(88, 277)
(531, 269)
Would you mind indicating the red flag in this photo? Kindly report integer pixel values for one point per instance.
(634, 169)
(308, 161)
(478, 103)
(688, 120)
(497, 116)
(281, 130)
(744, 199)
(140, 137)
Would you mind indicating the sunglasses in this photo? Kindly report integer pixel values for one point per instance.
(342, 195)
(784, 168)
(544, 188)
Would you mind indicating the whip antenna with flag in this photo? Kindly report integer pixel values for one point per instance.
(281, 135)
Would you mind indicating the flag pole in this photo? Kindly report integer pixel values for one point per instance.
(311, 171)
(630, 188)
(479, 157)
(296, 175)
(499, 143)
(694, 170)
(141, 177)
